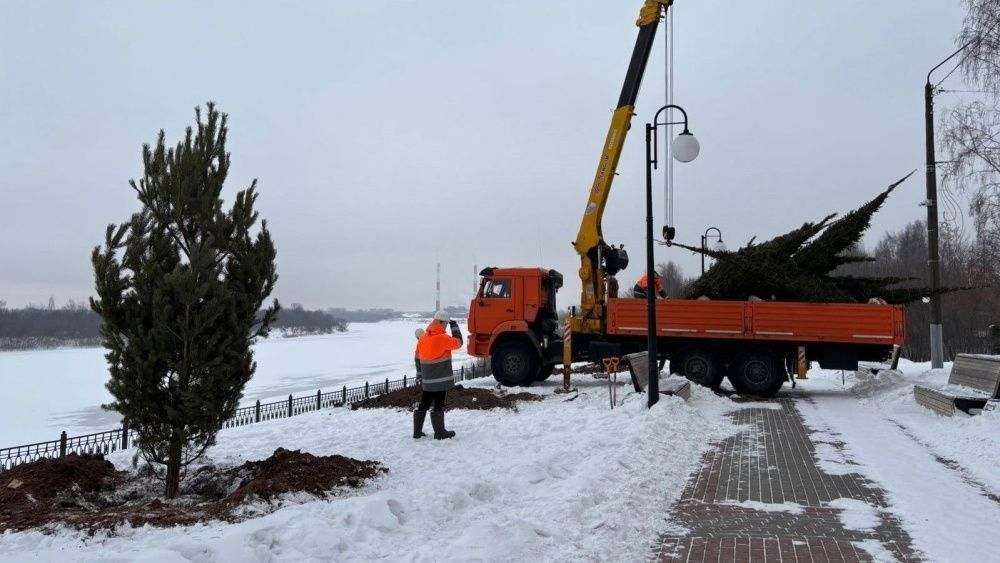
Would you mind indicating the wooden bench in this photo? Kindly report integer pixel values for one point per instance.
(974, 381)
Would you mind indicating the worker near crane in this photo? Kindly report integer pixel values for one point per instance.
(642, 286)
(434, 353)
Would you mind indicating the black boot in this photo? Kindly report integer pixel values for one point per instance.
(418, 423)
(437, 421)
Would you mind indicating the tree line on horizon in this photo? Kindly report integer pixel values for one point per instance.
(75, 324)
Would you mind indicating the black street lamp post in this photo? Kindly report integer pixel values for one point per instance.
(721, 246)
(685, 149)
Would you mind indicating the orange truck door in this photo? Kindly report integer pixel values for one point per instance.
(497, 301)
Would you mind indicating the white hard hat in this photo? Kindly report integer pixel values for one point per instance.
(442, 316)
(418, 333)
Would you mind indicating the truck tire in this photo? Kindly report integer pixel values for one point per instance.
(757, 372)
(515, 363)
(700, 365)
(544, 372)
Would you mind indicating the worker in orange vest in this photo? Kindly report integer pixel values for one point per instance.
(434, 352)
(642, 285)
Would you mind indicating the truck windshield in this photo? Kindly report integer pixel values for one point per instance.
(496, 289)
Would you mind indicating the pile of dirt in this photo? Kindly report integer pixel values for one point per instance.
(293, 471)
(475, 398)
(595, 369)
(87, 493)
(75, 483)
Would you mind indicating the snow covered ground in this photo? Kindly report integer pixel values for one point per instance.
(939, 473)
(556, 481)
(573, 480)
(49, 391)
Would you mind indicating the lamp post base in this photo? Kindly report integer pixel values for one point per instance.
(937, 347)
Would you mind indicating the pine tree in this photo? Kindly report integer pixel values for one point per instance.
(797, 266)
(179, 291)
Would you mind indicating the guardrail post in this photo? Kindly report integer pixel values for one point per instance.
(387, 385)
(343, 397)
(62, 444)
(319, 399)
(404, 382)
(289, 405)
(366, 389)
(256, 412)
(124, 434)
(463, 373)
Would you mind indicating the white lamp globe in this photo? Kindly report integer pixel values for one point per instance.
(719, 246)
(685, 147)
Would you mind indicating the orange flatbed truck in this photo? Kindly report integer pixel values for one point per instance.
(513, 318)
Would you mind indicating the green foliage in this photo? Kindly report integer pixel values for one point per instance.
(797, 266)
(179, 287)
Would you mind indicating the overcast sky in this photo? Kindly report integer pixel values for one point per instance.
(389, 135)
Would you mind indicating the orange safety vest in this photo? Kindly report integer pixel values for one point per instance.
(643, 282)
(434, 351)
(435, 344)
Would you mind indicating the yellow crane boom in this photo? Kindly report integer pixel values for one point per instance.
(597, 258)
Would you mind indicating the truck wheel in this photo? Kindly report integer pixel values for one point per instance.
(544, 372)
(514, 363)
(699, 365)
(757, 372)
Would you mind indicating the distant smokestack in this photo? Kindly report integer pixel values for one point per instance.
(475, 279)
(437, 301)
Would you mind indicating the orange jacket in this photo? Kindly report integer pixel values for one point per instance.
(435, 344)
(643, 282)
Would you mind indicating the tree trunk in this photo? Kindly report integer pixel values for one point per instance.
(174, 466)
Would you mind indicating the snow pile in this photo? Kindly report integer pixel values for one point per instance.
(557, 480)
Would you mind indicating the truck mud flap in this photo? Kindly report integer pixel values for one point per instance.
(554, 354)
(833, 356)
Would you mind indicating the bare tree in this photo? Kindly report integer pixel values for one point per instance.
(674, 282)
(981, 30)
(971, 134)
(973, 140)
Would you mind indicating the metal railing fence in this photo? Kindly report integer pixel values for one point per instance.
(122, 438)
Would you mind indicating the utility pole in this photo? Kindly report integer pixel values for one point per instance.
(933, 260)
(437, 300)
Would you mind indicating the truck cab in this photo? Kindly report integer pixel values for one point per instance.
(513, 320)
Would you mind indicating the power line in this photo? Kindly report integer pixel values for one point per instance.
(962, 60)
(949, 91)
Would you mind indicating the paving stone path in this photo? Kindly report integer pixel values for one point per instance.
(762, 496)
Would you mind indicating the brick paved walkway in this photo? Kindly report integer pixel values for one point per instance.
(772, 462)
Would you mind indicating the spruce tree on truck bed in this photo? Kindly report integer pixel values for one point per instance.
(179, 290)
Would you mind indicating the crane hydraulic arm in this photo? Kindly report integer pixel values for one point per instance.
(597, 258)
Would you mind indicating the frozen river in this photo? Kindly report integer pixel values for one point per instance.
(48, 391)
